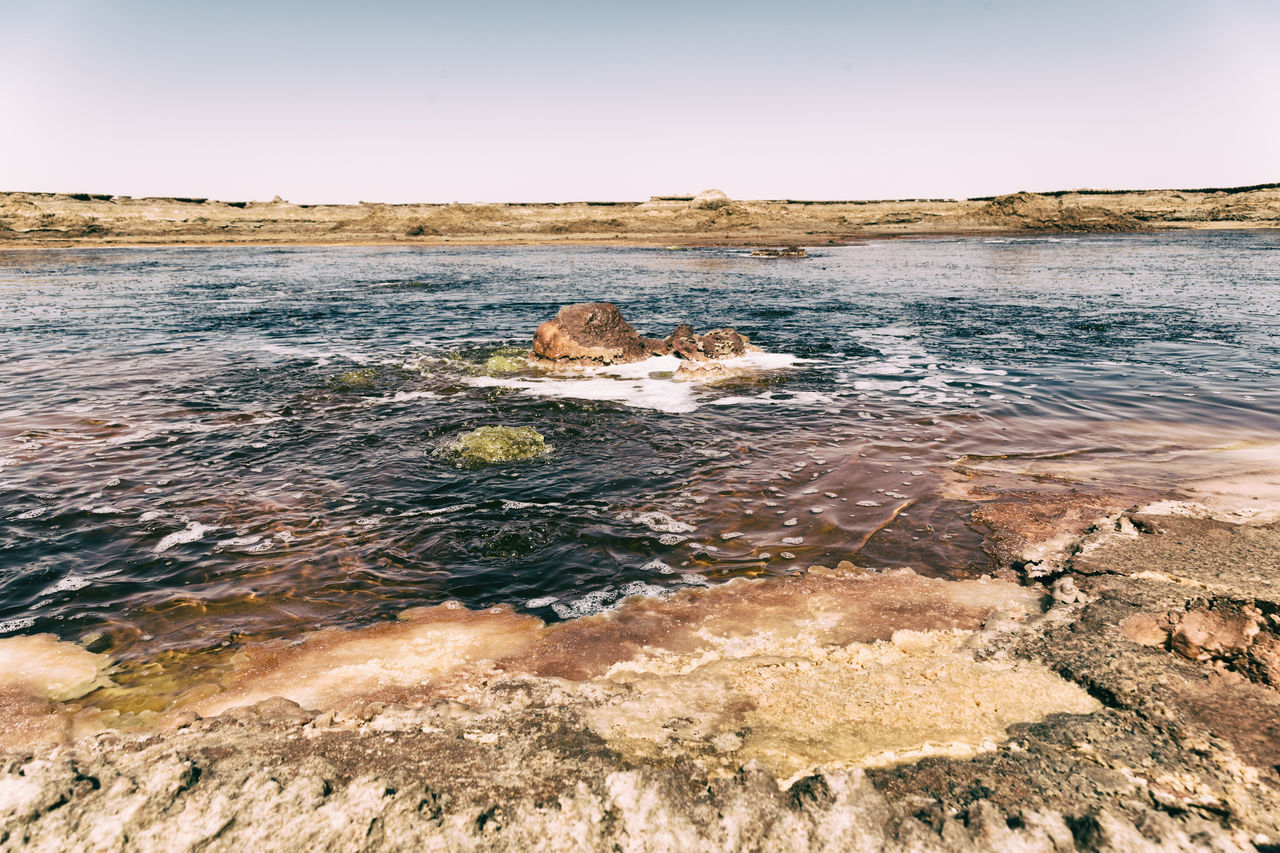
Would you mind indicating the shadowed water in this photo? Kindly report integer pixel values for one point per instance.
(199, 445)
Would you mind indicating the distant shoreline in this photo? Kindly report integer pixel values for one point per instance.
(58, 220)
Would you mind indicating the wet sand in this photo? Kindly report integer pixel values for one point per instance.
(59, 220)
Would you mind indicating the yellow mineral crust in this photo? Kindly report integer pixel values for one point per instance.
(831, 669)
(40, 666)
(860, 705)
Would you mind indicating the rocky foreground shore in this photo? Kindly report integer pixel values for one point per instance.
(1160, 626)
(709, 218)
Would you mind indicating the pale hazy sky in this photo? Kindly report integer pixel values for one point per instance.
(551, 101)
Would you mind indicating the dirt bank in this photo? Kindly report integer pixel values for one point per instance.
(53, 219)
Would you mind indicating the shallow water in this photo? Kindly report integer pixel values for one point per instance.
(204, 445)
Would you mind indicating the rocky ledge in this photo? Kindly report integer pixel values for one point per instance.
(595, 333)
(1168, 621)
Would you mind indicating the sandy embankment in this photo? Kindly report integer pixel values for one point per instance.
(53, 219)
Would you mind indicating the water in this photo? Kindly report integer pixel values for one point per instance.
(200, 446)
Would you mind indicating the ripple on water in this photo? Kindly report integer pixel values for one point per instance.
(287, 423)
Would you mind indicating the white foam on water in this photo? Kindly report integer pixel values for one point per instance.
(652, 383)
(905, 369)
(596, 601)
(648, 590)
(68, 584)
(193, 532)
(444, 509)
(136, 435)
(779, 398)
(244, 543)
(660, 522)
(321, 356)
(403, 397)
(661, 395)
(600, 600)
(32, 513)
(545, 601)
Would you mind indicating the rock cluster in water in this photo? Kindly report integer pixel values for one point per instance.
(785, 252)
(595, 333)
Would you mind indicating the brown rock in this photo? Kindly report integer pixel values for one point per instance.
(684, 342)
(1264, 659)
(1224, 631)
(1144, 629)
(716, 344)
(595, 333)
(589, 331)
(655, 346)
(722, 343)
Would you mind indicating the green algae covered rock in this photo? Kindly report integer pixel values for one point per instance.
(489, 444)
(354, 379)
(506, 360)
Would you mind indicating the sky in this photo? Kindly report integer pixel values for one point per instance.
(493, 100)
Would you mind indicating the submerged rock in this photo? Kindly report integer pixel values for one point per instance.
(490, 444)
(506, 360)
(361, 377)
(595, 333)
(785, 252)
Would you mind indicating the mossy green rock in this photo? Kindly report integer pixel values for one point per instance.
(506, 360)
(360, 378)
(500, 444)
